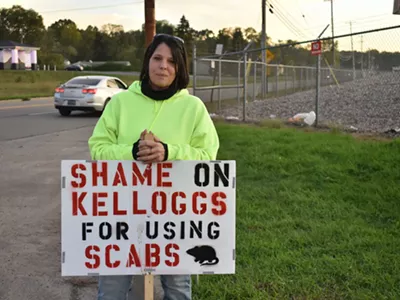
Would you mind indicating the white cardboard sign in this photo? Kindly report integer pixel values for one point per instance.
(125, 217)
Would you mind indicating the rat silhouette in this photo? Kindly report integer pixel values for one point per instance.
(202, 254)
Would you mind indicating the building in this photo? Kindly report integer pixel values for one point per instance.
(17, 56)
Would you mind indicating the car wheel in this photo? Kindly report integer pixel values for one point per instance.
(64, 112)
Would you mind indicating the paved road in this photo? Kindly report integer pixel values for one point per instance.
(33, 141)
(29, 118)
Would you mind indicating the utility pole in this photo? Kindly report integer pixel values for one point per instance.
(333, 35)
(150, 21)
(263, 46)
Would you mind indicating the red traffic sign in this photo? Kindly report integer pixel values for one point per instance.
(316, 48)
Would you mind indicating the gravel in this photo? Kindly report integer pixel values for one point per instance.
(367, 105)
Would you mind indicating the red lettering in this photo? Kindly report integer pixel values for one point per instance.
(81, 176)
(77, 203)
(150, 255)
(161, 174)
(182, 206)
(175, 255)
(89, 255)
(136, 174)
(203, 206)
(120, 176)
(96, 174)
(108, 261)
(136, 210)
(116, 210)
(97, 204)
(215, 200)
(133, 257)
(154, 203)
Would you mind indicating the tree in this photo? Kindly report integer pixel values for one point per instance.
(184, 31)
(67, 37)
(86, 46)
(112, 29)
(21, 25)
(224, 37)
(163, 26)
(251, 34)
(238, 41)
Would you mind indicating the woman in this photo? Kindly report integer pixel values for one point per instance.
(160, 104)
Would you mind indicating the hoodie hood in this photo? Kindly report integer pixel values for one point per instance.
(136, 88)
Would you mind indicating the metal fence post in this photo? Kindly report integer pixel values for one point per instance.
(244, 85)
(255, 80)
(286, 79)
(238, 83)
(277, 81)
(194, 69)
(219, 84)
(266, 81)
(294, 80)
(318, 75)
(306, 85)
(301, 79)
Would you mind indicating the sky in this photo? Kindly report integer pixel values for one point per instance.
(292, 19)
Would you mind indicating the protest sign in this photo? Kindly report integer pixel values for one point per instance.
(125, 217)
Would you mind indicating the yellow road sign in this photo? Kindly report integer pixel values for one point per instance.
(270, 56)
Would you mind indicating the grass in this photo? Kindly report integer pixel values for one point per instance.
(318, 216)
(26, 84)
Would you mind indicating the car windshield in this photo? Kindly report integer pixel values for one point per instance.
(83, 81)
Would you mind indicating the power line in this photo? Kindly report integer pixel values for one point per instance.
(281, 16)
(293, 24)
(91, 7)
(345, 22)
(284, 20)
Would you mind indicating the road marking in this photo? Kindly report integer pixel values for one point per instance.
(42, 113)
(25, 106)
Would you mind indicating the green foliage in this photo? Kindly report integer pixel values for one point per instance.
(112, 43)
(21, 25)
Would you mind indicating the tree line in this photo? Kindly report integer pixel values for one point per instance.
(63, 40)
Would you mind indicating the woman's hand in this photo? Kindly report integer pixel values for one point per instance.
(151, 151)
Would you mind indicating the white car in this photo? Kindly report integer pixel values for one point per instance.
(87, 93)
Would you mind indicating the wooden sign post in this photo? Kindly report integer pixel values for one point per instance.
(148, 287)
(148, 278)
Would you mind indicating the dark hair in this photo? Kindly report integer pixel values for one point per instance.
(178, 54)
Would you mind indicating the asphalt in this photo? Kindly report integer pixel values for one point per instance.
(20, 119)
(34, 139)
(36, 117)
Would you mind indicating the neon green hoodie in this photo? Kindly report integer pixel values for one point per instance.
(182, 122)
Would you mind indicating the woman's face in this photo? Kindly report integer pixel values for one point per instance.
(162, 67)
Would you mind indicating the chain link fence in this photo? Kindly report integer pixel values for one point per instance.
(361, 92)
